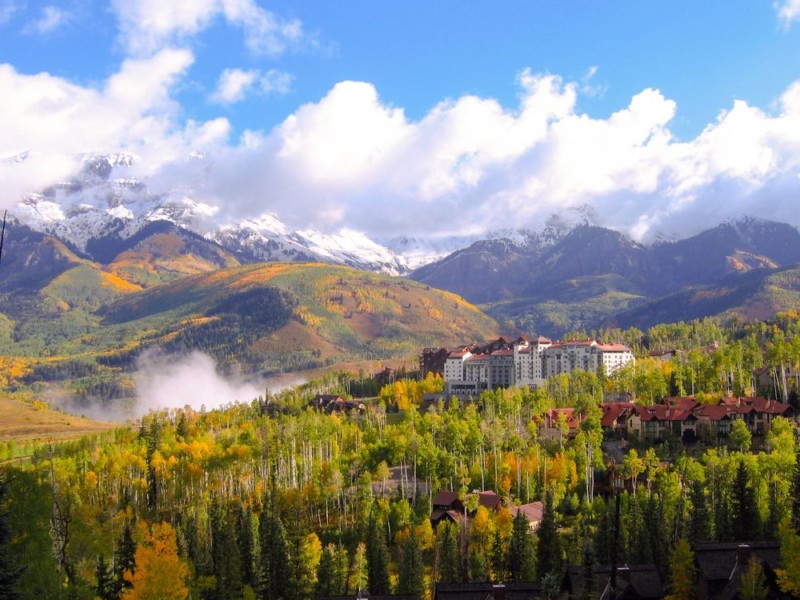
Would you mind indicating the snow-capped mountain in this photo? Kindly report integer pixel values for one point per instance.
(105, 201)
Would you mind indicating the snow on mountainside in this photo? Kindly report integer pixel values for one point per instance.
(104, 201)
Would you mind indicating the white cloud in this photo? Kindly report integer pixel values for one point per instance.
(56, 120)
(149, 25)
(788, 10)
(235, 84)
(472, 165)
(51, 19)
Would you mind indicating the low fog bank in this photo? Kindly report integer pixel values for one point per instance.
(170, 381)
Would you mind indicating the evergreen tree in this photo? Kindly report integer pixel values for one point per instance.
(589, 589)
(332, 571)
(700, 523)
(447, 543)
(499, 558)
(744, 511)
(521, 566)
(377, 557)
(104, 575)
(10, 571)
(225, 555)
(247, 545)
(124, 559)
(548, 552)
(274, 557)
(412, 569)
(796, 482)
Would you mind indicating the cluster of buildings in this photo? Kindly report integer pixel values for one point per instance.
(468, 371)
(678, 418)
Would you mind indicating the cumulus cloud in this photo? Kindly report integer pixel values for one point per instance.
(788, 10)
(468, 166)
(149, 25)
(50, 121)
(235, 84)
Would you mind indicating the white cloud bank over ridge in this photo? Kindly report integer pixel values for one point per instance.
(469, 165)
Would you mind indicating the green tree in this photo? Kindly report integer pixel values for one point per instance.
(225, 555)
(740, 436)
(104, 576)
(753, 585)
(332, 571)
(274, 556)
(377, 557)
(681, 572)
(700, 523)
(548, 551)
(744, 510)
(447, 544)
(10, 571)
(412, 569)
(789, 574)
(521, 565)
(124, 559)
(358, 578)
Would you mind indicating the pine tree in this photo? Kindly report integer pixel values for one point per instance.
(247, 545)
(700, 524)
(225, 555)
(447, 543)
(105, 586)
(744, 511)
(412, 568)
(499, 558)
(332, 572)
(377, 558)
(124, 559)
(10, 571)
(274, 557)
(521, 566)
(548, 553)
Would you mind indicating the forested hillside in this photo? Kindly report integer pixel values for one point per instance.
(276, 499)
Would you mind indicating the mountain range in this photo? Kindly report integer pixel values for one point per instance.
(570, 275)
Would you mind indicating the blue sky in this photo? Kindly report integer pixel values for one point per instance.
(659, 116)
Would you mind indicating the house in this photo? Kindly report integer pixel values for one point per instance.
(487, 591)
(446, 505)
(636, 582)
(720, 567)
(331, 403)
(532, 511)
(615, 417)
(659, 422)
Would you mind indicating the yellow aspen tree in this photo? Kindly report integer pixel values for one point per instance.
(160, 573)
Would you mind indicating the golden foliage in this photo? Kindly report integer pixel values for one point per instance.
(160, 573)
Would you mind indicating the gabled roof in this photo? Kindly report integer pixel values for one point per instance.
(489, 499)
(445, 498)
(613, 411)
(660, 412)
(533, 511)
(712, 412)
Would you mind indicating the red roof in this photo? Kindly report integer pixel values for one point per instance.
(489, 499)
(445, 498)
(533, 511)
(613, 411)
(713, 412)
(661, 412)
(685, 402)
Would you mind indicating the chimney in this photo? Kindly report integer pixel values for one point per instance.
(499, 591)
(743, 555)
